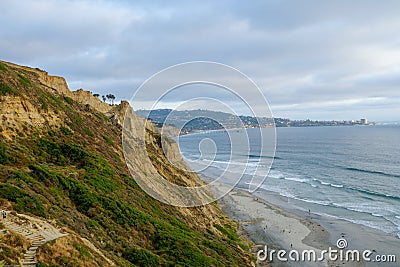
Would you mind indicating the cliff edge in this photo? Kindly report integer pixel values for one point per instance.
(62, 163)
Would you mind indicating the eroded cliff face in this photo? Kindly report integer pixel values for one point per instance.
(54, 84)
(61, 152)
(86, 98)
(18, 114)
(27, 107)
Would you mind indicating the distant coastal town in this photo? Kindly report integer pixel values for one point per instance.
(205, 120)
(279, 122)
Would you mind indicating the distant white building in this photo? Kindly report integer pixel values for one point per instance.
(364, 121)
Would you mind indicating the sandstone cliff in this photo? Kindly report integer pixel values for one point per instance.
(24, 109)
(61, 160)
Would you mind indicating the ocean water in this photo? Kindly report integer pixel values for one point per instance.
(351, 173)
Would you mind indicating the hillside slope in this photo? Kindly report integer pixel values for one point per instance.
(61, 162)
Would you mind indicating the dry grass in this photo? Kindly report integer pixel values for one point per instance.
(11, 247)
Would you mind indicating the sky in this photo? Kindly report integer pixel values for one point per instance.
(311, 59)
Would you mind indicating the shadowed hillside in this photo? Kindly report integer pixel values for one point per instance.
(61, 162)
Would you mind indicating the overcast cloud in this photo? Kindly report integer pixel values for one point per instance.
(312, 59)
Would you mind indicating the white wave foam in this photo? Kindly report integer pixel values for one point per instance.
(301, 180)
(328, 184)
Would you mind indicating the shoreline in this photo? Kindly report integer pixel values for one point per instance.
(268, 220)
(358, 236)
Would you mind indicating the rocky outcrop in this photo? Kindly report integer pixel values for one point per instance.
(59, 86)
(117, 113)
(17, 113)
(54, 83)
(86, 98)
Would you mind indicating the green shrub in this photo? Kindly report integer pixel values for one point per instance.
(81, 196)
(62, 154)
(23, 201)
(75, 153)
(79, 120)
(43, 102)
(31, 205)
(217, 247)
(65, 130)
(83, 251)
(5, 89)
(228, 231)
(42, 264)
(3, 67)
(108, 140)
(3, 154)
(140, 257)
(178, 247)
(10, 193)
(55, 99)
(88, 132)
(68, 100)
(24, 80)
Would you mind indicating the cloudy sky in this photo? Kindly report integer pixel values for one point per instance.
(311, 59)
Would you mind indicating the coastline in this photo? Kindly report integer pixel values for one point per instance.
(268, 220)
(358, 236)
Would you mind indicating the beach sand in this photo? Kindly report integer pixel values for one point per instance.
(281, 228)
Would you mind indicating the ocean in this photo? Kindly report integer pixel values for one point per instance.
(350, 173)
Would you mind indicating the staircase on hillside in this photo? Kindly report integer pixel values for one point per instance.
(36, 237)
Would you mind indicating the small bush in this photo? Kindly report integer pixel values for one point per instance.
(23, 202)
(81, 196)
(3, 154)
(217, 247)
(83, 251)
(5, 89)
(42, 264)
(108, 140)
(22, 79)
(10, 193)
(68, 100)
(140, 257)
(45, 105)
(228, 231)
(65, 130)
(31, 205)
(55, 99)
(88, 132)
(3, 67)
(79, 120)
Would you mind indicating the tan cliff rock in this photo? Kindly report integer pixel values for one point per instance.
(86, 98)
(58, 85)
(53, 83)
(40, 102)
(18, 112)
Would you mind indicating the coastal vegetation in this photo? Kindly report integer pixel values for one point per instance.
(73, 174)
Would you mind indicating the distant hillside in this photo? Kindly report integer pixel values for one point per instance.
(201, 120)
(62, 164)
(197, 120)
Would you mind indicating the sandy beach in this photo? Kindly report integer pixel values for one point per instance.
(280, 228)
